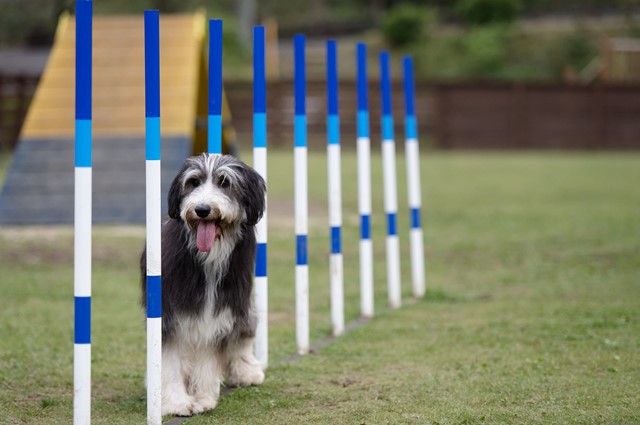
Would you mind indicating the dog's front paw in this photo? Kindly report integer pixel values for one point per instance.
(204, 402)
(245, 374)
(183, 407)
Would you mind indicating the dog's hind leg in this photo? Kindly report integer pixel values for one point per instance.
(175, 400)
(243, 369)
(205, 380)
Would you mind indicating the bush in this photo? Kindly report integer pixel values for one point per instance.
(574, 50)
(484, 12)
(404, 24)
(485, 50)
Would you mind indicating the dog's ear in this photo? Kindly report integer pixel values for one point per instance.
(253, 196)
(175, 193)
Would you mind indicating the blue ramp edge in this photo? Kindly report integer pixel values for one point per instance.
(38, 188)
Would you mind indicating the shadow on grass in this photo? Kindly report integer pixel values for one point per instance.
(439, 296)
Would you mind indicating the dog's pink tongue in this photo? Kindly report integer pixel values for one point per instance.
(205, 236)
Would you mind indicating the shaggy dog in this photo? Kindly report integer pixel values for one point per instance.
(208, 256)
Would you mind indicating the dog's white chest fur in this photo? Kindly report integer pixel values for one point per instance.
(207, 328)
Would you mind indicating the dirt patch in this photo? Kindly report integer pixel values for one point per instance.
(279, 317)
(36, 244)
(41, 233)
(55, 244)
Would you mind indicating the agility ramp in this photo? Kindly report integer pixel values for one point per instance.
(38, 188)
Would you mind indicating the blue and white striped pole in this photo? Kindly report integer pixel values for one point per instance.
(364, 185)
(390, 185)
(260, 164)
(412, 154)
(82, 217)
(335, 192)
(214, 145)
(153, 208)
(300, 193)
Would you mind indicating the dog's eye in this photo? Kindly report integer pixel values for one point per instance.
(193, 182)
(223, 182)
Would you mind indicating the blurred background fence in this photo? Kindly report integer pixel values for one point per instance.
(466, 115)
(458, 115)
(536, 116)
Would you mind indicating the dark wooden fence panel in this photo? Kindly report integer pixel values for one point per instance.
(451, 116)
(465, 115)
(536, 116)
(280, 111)
(621, 128)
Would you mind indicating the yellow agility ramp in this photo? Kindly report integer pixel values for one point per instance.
(118, 78)
(39, 185)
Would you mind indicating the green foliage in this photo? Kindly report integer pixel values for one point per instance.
(574, 50)
(485, 49)
(504, 52)
(405, 24)
(32, 25)
(484, 12)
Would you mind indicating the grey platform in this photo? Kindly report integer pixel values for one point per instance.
(38, 188)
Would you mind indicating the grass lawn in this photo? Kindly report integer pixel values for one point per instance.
(532, 312)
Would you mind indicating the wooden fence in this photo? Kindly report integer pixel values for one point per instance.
(537, 116)
(16, 92)
(465, 115)
(450, 116)
(280, 111)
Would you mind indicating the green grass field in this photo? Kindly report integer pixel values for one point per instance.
(532, 312)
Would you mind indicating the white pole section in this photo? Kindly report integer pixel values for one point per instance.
(154, 221)
(390, 185)
(335, 192)
(82, 217)
(260, 164)
(364, 185)
(412, 154)
(300, 193)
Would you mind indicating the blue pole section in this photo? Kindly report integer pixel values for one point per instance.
(82, 215)
(390, 184)
(300, 192)
(260, 164)
(153, 212)
(215, 87)
(363, 91)
(413, 180)
(409, 95)
(335, 192)
(364, 183)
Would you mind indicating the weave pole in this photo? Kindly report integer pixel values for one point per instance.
(82, 217)
(364, 184)
(412, 154)
(153, 208)
(300, 194)
(335, 192)
(214, 134)
(390, 188)
(260, 164)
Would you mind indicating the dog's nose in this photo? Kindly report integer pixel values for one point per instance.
(203, 210)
